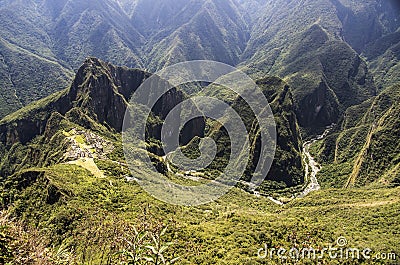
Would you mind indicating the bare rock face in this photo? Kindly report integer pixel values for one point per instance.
(103, 91)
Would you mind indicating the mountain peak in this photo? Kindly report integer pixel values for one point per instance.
(99, 90)
(90, 61)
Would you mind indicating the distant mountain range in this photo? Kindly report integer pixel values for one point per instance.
(329, 51)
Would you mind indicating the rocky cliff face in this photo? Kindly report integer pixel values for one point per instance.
(96, 101)
(101, 91)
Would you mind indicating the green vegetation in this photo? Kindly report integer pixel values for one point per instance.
(316, 47)
(92, 219)
(383, 57)
(31, 109)
(26, 76)
(6, 253)
(81, 216)
(327, 51)
(61, 206)
(287, 169)
(364, 150)
(73, 216)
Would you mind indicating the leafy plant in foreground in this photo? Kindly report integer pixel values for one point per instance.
(146, 247)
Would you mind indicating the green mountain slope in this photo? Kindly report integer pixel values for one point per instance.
(29, 69)
(64, 178)
(94, 28)
(383, 55)
(67, 195)
(358, 23)
(41, 41)
(97, 100)
(264, 36)
(23, 77)
(287, 168)
(365, 148)
(328, 77)
(216, 31)
(316, 47)
(157, 19)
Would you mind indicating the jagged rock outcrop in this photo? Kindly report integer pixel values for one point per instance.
(101, 91)
(96, 100)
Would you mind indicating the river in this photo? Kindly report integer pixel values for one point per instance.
(312, 167)
(311, 170)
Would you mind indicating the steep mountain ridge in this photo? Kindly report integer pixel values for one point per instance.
(364, 150)
(287, 168)
(259, 36)
(66, 32)
(328, 77)
(216, 31)
(69, 196)
(97, 100)
(360, 27)
(29, 69)
(100, 92)
(358, 23)
(95, 28)
(383, 55)
(314, 45)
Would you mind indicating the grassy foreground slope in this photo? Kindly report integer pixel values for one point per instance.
(91, 218)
